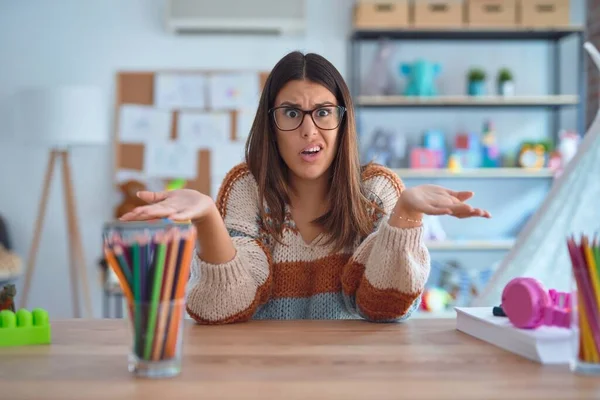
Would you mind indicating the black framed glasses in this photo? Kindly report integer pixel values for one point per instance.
(327, 117)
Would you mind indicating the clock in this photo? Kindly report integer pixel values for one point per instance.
(532, 155)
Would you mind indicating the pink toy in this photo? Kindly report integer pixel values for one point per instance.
(423, 158)
(528, 305)
(569, 143)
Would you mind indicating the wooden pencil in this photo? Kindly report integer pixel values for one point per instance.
(178, 296)
(114, 265)
(155, 294)
(165, 299)
(119, 251)
(136, 269)
(587, 301)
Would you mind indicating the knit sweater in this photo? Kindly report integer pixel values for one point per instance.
(380, 279)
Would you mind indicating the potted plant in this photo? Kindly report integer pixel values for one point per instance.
(506, 85)
(476, 82)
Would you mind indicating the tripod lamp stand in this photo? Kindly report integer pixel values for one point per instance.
(61, 119)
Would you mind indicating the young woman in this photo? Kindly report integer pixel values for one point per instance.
(301, 230)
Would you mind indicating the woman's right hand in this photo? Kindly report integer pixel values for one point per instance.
(181, 204)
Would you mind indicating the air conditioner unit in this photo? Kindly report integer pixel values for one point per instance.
(274, 17)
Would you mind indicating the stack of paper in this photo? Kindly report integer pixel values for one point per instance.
(546, 345)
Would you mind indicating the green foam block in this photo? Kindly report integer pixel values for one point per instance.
(24, 327)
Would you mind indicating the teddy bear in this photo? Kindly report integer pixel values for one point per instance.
(130, 200)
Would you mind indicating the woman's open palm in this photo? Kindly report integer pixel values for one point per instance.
(182, 204)
(437, 200)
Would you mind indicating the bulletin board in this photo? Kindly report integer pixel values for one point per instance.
(138, 88)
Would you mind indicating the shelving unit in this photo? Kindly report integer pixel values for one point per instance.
(554, 102)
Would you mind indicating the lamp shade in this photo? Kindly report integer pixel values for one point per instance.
(61, 116)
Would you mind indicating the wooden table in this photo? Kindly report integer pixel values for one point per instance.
(419, 359)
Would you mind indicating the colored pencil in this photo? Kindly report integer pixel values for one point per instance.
(585, 262)
(155, 293)
(136, 256)
(152, 263)
(120, 253)
(182, 278)
(166, 297)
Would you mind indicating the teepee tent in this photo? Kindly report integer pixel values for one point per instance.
(572, 207)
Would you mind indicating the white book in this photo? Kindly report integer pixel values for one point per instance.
(546, 345)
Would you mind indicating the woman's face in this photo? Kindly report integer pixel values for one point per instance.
(308, 149)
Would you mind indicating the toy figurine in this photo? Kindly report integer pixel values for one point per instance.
(467, 147)
(491, 153)
(435, 141)
(569, 142)
(423, 158)
(435, 300)
(564, 153)
(421, 78)
(380, 80)
(380, 149)
(7, 296)
(454, 164)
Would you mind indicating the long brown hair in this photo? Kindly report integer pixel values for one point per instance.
(347, 218)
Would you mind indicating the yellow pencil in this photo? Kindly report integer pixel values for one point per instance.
(589, 352)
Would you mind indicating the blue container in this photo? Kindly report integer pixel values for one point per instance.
(476, 88)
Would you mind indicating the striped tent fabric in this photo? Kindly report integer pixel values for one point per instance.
(571, 208)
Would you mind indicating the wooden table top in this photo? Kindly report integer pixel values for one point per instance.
(418, 359)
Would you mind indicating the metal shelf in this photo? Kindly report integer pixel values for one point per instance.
(473, 245)
(468, 101)
(467, 34)
(474, 173)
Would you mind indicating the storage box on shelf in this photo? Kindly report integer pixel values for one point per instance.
(373, 14)
(438, 14)
(544, 13)
(491, 13)
(456, 14)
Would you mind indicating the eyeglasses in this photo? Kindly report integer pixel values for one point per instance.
(289, 118)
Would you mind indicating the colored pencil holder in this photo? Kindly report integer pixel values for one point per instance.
(152, 262)
(585, 320)
(156, 338)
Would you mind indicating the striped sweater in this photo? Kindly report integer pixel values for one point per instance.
(380, 279)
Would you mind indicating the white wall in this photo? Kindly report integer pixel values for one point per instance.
(75, 41)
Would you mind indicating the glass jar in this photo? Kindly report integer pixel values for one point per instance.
(585, 326)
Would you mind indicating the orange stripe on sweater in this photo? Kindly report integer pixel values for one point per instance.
(376, 304)
(308, 278)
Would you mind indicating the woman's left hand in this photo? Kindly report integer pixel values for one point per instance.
(437, 200)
